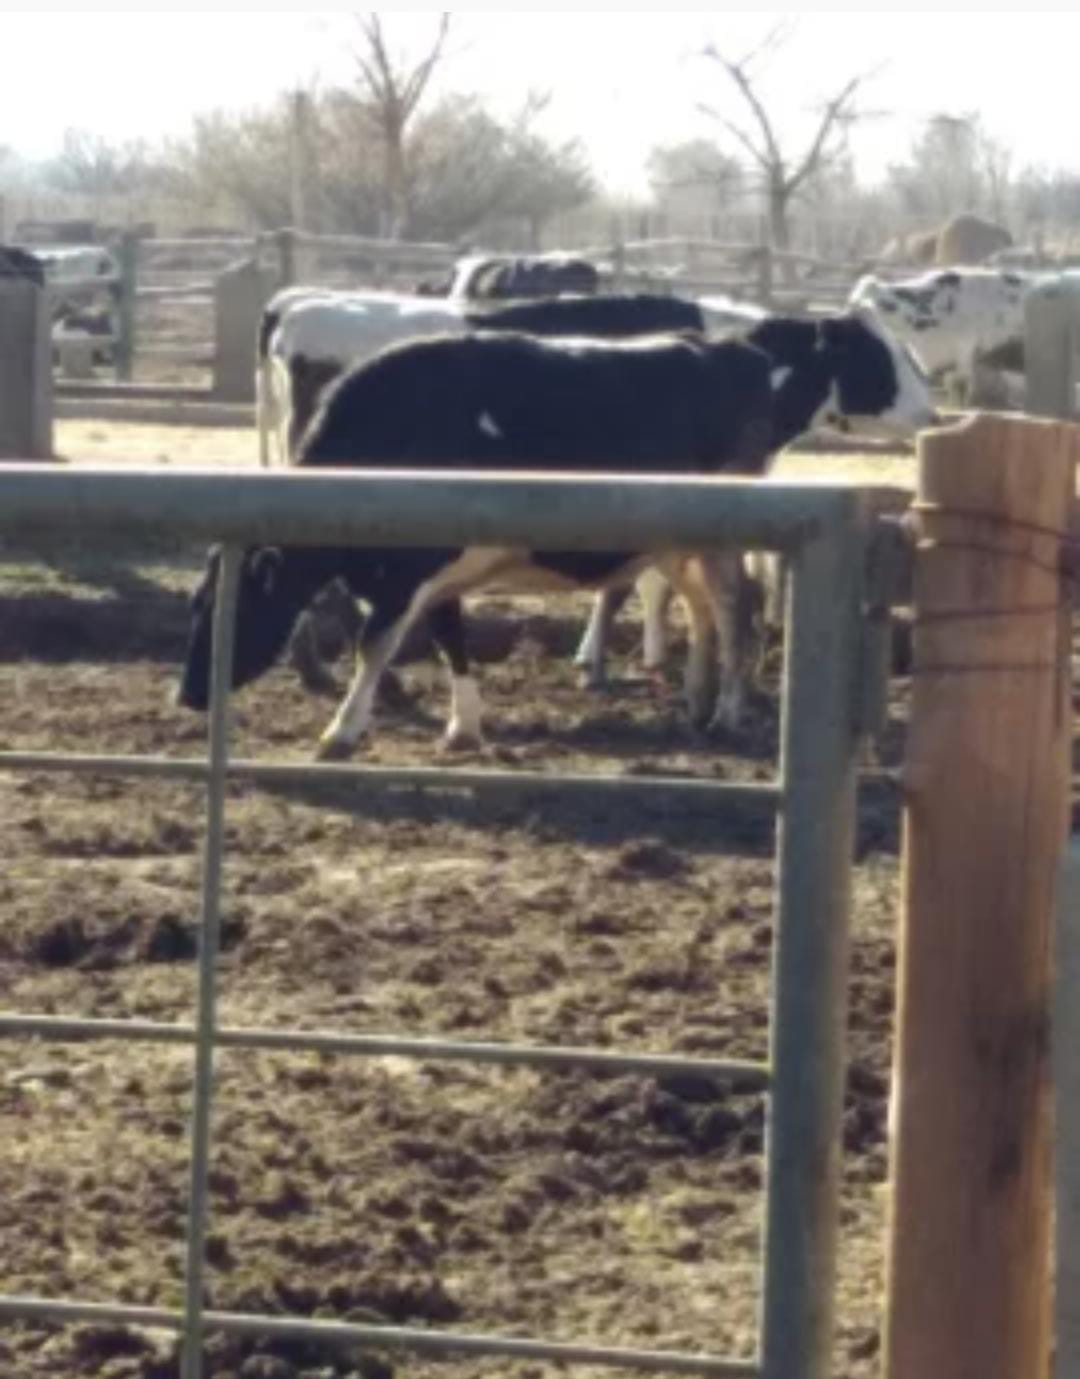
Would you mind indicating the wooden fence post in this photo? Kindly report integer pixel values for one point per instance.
(26, 393)
(1050, 348)
(286, 247)
(765, 275)
(986, 781)
(240, 293)
(124, 348)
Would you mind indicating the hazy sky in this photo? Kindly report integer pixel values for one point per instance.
(622, 81)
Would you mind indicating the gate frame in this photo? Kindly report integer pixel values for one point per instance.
(825, 530)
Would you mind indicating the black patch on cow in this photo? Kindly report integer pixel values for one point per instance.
(947, 280)
(307, 380)
(1013, 279)
(510, 276)
(19, 263)
(614, 317)
(673, 403)
(268, 323)
(888, 306)
(1008, 355)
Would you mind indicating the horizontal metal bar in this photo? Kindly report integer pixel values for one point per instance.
(149, 247)
(383, 1337)
(748, 1075)
(380, 248)
(380, 507)
(142, 392)
(58, 287)
(760, 793)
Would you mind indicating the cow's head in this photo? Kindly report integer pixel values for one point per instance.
(844, 371)
(878, 385)
(909, 307)
(270, 596)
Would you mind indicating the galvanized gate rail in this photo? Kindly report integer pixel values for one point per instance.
(824, 530)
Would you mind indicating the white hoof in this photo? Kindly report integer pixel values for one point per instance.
(334, 748)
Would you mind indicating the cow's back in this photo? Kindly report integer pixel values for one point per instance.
(505, 399)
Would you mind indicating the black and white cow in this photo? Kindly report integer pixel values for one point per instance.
(480, 277)
(675, 404)
(20, 263)
(957, 320)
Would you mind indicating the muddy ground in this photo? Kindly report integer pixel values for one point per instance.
(621, 1210)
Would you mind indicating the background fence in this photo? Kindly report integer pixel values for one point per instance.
(168, 330)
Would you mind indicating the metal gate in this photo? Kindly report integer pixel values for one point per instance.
(824, 531)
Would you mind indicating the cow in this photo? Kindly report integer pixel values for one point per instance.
(677, 403)
(481, 277)
(957, 320)
(20, 263)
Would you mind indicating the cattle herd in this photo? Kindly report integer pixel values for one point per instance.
(621, 384)
(566, 378)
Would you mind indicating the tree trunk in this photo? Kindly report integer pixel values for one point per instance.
(780, 228)
(395, 184)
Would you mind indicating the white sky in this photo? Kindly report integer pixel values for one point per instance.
(622, 81)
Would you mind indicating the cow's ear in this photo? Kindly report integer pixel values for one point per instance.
(264, 568)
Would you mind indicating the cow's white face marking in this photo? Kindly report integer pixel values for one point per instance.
(490, 427)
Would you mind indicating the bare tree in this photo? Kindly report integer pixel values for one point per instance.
(392, 91)
(783, 176)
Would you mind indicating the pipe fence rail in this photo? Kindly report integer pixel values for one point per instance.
(826, 531)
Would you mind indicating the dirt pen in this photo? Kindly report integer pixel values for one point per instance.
(618, 1206)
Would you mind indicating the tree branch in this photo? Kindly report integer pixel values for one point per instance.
(835, 110)
(736, 71)
(417, 82)
(733, 129)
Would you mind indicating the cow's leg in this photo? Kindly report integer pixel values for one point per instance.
(422, 582)
(336, 601)
(654, 590)
(383, 634)
(727, 590)
(592, 649)
(305, 659)
(699, 680)
(262, 411)
(464, 728)
(715, 590)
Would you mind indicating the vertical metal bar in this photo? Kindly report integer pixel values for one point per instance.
(1066, 1050)
(814, 855)
(209, 937)
(124, 345)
